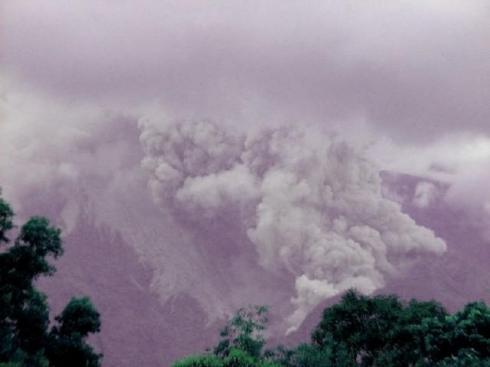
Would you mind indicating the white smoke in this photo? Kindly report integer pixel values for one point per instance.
(425, 194)
(310, 205)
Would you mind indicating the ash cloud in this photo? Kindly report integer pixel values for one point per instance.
(412, 73)
(310, 206)
(425, 194)
(412, 70)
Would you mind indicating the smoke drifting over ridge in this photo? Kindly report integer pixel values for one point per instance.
(413, 76)
(236, 209)
(414, 70)
(310, 206)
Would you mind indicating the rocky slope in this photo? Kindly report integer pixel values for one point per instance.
(141, 329)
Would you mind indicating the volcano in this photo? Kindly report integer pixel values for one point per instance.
(141, 328)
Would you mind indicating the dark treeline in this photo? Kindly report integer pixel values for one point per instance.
(361, 331)
(27, 338)
(357, 331)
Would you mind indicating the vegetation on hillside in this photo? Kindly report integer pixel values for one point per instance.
(27, 337)
(359, 331)
(362, 331)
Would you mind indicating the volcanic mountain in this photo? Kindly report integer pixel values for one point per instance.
(139, 327)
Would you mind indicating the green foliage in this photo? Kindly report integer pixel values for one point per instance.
(244, 332)
(79, 317)
(6, 220)
(235, 358)
(362, 331)
(71, 351)
(467, 331)
(405, 344)
(200, 361)
(382, 331)
(240, 358)
(241, 343)
(67, 346)
(360, 325)
(32, 321)
(25, 335)
(358, 331)
(463, 359)
(310, 355)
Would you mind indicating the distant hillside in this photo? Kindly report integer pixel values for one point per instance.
(459, 276)
(139, 330)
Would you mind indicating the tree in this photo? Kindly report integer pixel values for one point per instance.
(381, 330)
(359, 325)
(362, 331)
(25, 337)
(462, 335)
(405, 345)
(241, 343)
(244, 332)
(462, 359)
(311, 355)
(378, 330)
(200, 361)
(67, 345)
(6, 220)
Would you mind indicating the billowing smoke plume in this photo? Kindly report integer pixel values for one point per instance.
(310, 205)
(303, 205)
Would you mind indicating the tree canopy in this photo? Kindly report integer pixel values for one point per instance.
(358, 331)
(362, 331)
(27, 337)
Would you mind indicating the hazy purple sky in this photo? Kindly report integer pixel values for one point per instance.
(415, 70)
(406, 72)
(406, 82)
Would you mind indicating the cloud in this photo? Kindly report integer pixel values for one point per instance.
(425, 193)
(311, 207)
(409, 80)
(57, 154)
(412, 70)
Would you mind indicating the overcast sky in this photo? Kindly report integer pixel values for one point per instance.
(410, 77)
(415, 70)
